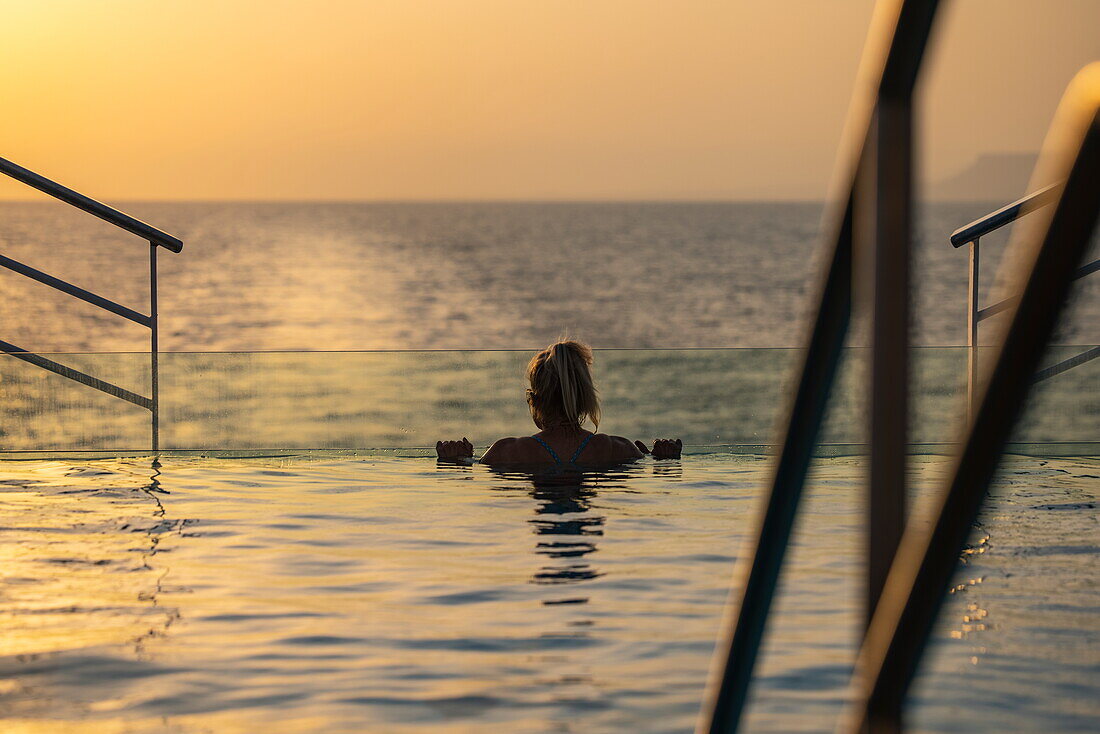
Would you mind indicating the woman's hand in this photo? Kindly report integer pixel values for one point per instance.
(454, 449)
(663, 448)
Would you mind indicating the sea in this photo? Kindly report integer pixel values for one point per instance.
(294, 560)
(517, 275)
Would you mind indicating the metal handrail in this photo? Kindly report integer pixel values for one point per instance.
(869, 225)
(80, 201)
(155, 238)
(971, 234)
(72, 290)
(1066, 365)
(1003, 305)
(1006, 215)
(76, 375)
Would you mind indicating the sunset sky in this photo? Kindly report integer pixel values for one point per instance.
(473, 99)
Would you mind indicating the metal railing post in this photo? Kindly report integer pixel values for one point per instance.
(155, 238)
(972, 329)
(154, 347)
(882, 247)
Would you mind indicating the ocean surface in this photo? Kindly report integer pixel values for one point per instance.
(393, 595)
(348, 276)
(347, 583)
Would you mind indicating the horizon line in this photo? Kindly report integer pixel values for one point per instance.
(492, 200)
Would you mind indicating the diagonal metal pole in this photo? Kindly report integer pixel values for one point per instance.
(76, 375)
(881, 248)
(735, 660)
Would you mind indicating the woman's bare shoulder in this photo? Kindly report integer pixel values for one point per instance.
(614, 448)
(508, 450)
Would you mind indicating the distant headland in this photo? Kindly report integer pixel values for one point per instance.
(991, 177)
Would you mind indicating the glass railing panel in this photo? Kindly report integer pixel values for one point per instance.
(412, 399)
(1064, 408)
(408, 400)
(41, 411)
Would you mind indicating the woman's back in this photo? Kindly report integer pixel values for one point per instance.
(562, 447)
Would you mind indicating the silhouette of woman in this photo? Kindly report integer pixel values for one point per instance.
(562, 397)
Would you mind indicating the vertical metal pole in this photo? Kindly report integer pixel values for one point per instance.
(882, 247)
(154, 347)
(972, 331)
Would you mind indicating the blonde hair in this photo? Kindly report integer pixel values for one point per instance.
(561, 387)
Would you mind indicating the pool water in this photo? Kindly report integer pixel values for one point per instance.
(347, 594)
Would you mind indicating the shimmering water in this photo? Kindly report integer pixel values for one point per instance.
(313, 276)
(388, 594)
(391, 594)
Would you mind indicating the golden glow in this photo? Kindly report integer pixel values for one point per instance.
(496, 98)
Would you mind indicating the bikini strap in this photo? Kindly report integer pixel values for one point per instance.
(547, 447)
(577, 453)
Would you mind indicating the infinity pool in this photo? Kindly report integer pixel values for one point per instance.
(343, 594)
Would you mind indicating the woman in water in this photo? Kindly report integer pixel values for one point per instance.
(562, 397)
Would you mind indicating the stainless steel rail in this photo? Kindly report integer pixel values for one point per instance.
(76, 375)
(971, 234)
(80, 201)
(1006, 215)
(154, 237)
(72, 290)
(1066, 364)
(1007, 303)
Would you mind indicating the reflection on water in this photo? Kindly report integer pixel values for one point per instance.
(120, 535)
(164, 524)
(394, 595)
(576, 567)
(568, 525)
(567, 532)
